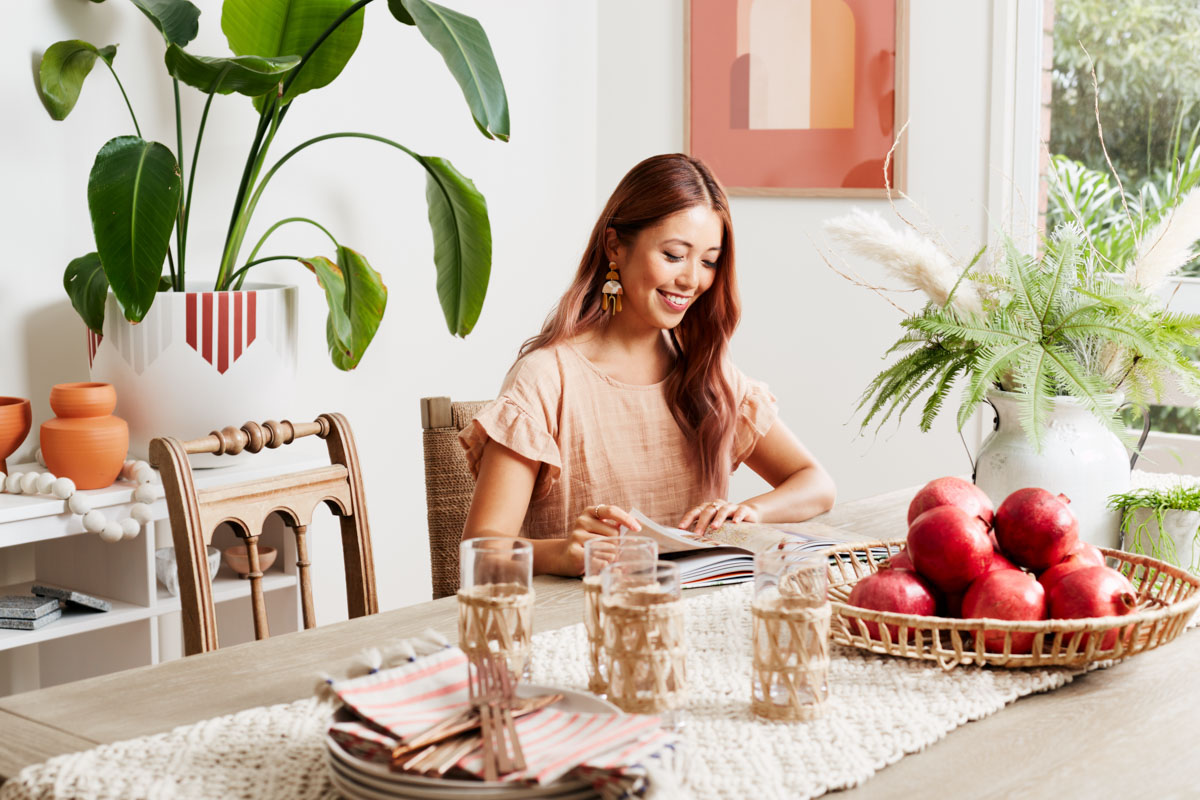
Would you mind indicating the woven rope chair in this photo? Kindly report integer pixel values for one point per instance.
(449, 485)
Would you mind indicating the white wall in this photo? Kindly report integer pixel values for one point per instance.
(594, 87)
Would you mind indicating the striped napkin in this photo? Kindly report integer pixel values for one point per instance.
(395, 705)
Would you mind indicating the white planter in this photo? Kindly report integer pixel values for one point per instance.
(1079, 458)
(1178, 547)
(200, 360)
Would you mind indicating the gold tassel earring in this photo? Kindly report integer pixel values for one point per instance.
(612, 286)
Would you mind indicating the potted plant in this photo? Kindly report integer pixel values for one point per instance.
(1054, 342)
(1163, 522)
(153, 328)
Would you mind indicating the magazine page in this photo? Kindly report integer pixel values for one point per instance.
(670, 540)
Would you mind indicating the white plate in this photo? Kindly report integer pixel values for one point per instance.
(365, 789)
(379, 776)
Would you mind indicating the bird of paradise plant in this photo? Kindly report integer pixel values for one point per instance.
(138, 196)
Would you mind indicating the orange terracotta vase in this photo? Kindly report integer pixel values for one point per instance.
(85, 442)
(15, 419)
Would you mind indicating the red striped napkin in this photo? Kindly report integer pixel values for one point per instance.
(409, 699)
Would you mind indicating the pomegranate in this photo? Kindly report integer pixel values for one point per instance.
(951, 491)
(1088, 553)
(899, 561)
(1093, 592)
(1035, 528)
(1000, 561)
(1005, 594)
(1050, 578)
(949, 547)
(897, 590)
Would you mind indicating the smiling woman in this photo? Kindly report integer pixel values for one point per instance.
(616, 405)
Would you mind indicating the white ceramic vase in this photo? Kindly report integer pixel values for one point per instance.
(1079, 458)
(198, 361)
(1178, 546)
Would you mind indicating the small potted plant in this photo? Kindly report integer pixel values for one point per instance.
(1053, 341)
(1163, 522)
(185, 355)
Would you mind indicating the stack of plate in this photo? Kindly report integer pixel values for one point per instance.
(356, 779)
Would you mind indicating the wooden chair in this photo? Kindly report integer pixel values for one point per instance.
(449, 485)
(195, 515)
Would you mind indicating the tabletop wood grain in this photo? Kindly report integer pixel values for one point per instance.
(1129, 730)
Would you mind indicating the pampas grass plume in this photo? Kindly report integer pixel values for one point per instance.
(1167, 246)
(907, 255)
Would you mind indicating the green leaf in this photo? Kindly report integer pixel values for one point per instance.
(462, 243)
(464, 45)
(248, 75)
(177, 20)
(133, 198)
(273, 28)
(400, 12)
(87, 287)
(61, 73)
(356, 297)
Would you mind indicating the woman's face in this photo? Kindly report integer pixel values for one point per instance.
(667, 266)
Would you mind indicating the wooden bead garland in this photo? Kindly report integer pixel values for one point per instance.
(94, 521)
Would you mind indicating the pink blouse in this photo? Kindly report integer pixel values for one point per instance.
(602, 441)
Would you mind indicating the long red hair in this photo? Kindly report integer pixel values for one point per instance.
(698, 389)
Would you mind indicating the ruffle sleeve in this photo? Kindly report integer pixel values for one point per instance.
(507, 423)
(757, 412)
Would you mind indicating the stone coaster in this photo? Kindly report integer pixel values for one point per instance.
(30, 624)
(14, 606)
(76, 599)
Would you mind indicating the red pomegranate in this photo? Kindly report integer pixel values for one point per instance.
(899, 561)
(1087, 553)
(1005, 594)
(1093, 592)
(1035, 528)
(1050, 578)
(1000, 561)
(949, 547)
(951, 491)
(898, 590)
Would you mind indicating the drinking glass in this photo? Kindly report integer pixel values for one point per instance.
(790, 611)
(495, 601)
(644, 644)
(598, 554)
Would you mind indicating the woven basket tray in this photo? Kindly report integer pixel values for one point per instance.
(1167, 598)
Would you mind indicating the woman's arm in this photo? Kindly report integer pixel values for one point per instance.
(802, 487)
(502, 493)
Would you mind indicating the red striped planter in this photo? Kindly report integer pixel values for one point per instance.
(199, 361)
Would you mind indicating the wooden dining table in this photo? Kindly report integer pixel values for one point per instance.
(1129, 730)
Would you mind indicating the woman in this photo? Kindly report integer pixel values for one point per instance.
(627, 397)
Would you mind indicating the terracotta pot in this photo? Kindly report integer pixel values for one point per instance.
(15, 419)
(85, 442)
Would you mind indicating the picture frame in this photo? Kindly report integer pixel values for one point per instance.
(832, 138)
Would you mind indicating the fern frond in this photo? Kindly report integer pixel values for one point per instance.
(985, 370)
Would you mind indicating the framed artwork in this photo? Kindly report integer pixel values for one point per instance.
(797, 97)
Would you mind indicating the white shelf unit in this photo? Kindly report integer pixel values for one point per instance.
(41, 542)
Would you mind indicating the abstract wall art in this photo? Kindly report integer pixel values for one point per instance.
(797, 97)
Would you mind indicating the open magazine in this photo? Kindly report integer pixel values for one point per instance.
(725, 555)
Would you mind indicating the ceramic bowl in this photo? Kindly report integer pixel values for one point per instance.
(168, 574)
(239, 562)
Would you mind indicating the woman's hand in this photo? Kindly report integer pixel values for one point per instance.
(715, 513)
(566, 557)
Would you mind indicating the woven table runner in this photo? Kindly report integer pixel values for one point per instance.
(880, 709)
